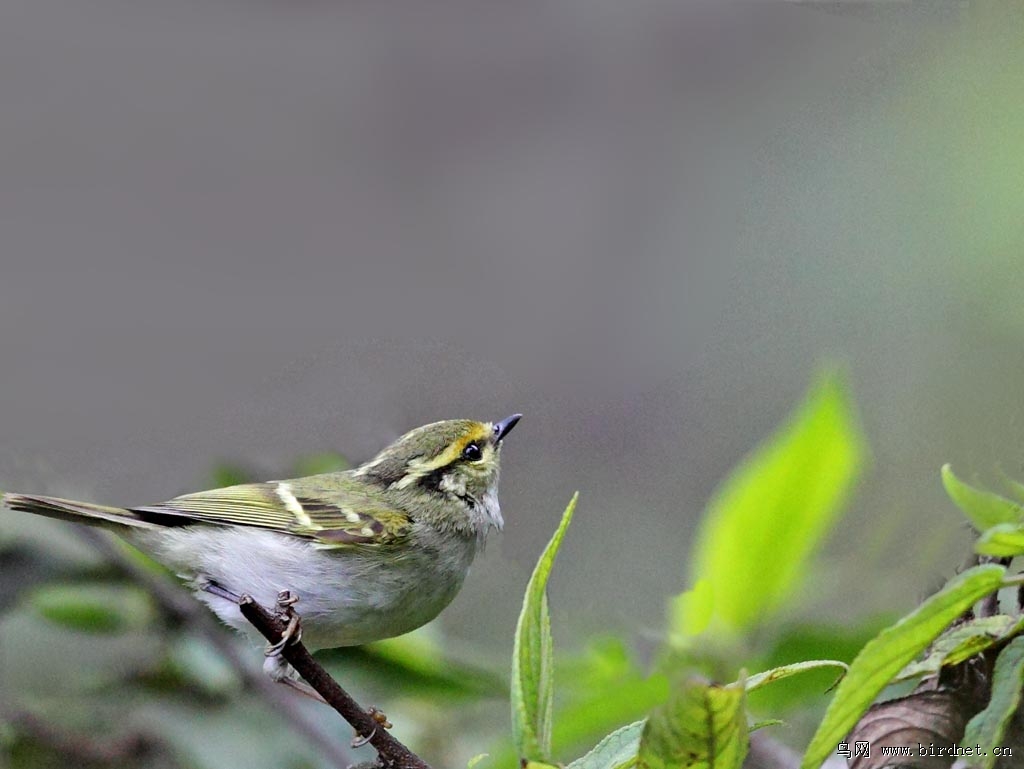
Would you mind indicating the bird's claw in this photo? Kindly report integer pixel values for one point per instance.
(382, 722)
(358, 741)
(286, 599)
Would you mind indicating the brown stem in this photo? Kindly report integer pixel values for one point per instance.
(392, 753)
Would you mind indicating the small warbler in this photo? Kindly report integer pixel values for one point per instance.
(370, 553)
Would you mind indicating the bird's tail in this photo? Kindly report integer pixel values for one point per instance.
(79, 512)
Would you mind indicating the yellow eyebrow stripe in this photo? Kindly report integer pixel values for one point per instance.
(418, 468)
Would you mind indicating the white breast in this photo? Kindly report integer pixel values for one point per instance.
(347, 596)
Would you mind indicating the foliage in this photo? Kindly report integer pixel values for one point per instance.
(618, 749)
(988, 728)
(759, 532)
(886, 655)
(694, 705)
(983, 509)
(945, 625)
(532, 658)
(758, 535)
(771, 514)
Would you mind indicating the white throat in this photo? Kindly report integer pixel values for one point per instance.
(486, 516)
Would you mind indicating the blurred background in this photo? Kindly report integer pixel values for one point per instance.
(244, 232)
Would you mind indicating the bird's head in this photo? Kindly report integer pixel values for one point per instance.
(456, 460)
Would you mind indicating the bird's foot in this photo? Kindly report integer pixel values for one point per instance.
(283, 673)
(381, 723)
(286, 599)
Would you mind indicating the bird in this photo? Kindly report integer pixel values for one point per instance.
(368, 553)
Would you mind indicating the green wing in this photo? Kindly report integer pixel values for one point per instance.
(334, 511)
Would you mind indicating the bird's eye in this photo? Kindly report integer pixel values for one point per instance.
(472, 453)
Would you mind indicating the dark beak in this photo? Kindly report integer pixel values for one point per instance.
(504, 427)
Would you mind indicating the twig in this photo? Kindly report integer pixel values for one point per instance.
(391, 753)
(177, 604)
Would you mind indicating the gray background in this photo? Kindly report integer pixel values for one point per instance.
(248, 230)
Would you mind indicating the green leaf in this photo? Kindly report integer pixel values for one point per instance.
(988, 727)
(785, 671)
(701, 726)
(618, 750)
(808, 641)
(532, 685)
(982, 508)
(1005, 540)
(772, 513)
(963, 642)
(886, 655)
(93, 608)
(599, 690)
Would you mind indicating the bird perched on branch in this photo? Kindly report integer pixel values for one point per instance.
(370, 553)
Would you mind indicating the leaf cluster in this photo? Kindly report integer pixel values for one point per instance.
(757, 540)
(756, 544)
(698, 702)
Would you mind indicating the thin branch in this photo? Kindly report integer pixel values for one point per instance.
(175, 603)
(391, 753)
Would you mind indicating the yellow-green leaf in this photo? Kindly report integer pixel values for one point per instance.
(1005, 540)
(785, 671)
(772, 513)
(618, 750)
(962, 642)
(702, 726)
(988, 727)
(532, 659)
(982, 508)
(884, 657)
(691, 611)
